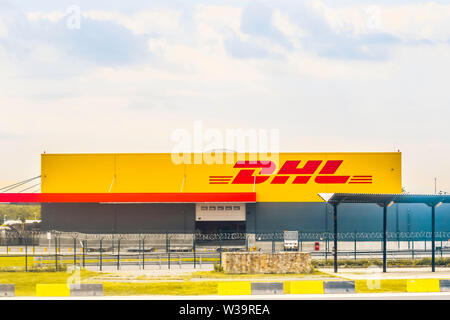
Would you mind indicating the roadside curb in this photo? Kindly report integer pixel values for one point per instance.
(334, 286)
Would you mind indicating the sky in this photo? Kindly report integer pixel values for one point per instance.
(123, 76)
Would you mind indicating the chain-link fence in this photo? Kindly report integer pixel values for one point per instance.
(111, 251)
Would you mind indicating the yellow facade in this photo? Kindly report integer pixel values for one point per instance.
(142, 173)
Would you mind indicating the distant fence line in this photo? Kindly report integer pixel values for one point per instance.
(33, 236)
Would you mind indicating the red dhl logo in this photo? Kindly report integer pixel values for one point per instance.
(290, 168)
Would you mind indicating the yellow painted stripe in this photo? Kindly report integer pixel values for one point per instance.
(423, 285)
(234, 288)
(380, 285)
(52, 290)
(303, 287)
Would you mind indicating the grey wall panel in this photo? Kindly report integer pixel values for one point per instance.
(156, 217)
(273, 216)
(318, 217)
(119, 217)
(77, 217)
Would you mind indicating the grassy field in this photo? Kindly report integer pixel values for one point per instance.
(17, 262)
(162, 288)
(25, 282)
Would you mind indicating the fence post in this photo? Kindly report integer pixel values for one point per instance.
(84, 250)
(220, 246)
(355, 244)
(139, 251)
(193, 246)
(168, 253)
(118, 254)
(412, 246)
(143, 254)
(33, 242)
(301, 242)
(56, 253)
(26, 255)
(74, 252)
(167, 241)
(273, 242)
(101, 254)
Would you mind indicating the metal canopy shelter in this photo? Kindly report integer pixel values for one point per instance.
(385, 201)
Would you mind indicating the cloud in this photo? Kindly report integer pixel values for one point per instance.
(97, 42)
(159, 21)
(245, 49)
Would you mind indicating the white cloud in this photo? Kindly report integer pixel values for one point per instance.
(219, 16)
(415, 21)
(282, 22)
(142, 22)
(52, 16)
(3, 29)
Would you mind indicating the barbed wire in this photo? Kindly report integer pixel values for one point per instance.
(259, 236)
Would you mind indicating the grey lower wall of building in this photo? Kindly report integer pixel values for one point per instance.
(120, 218)
(261, 217)
(318, 217)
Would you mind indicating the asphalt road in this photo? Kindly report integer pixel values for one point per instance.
(353, 296)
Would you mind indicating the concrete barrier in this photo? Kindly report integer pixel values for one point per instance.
(52, 290)
(303, 287)
(330, 287)
(86, 290)
(444, 285)
(339, 287)
(380, 285)
(234, 288)
(7, 290)
(422, 285)
(267, 288)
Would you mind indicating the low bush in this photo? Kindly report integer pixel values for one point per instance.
(218, 268)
